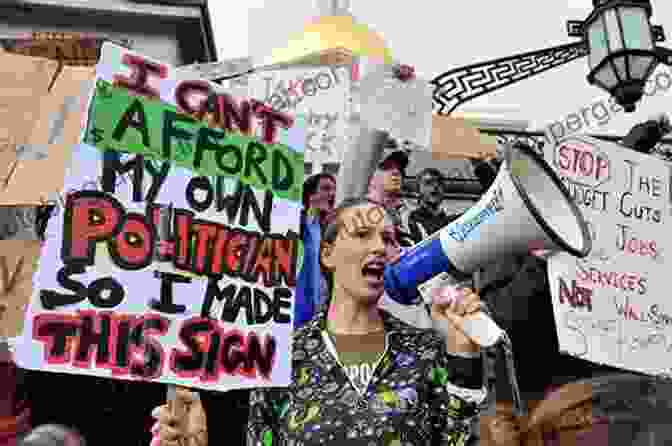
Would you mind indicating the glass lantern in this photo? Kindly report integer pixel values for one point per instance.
(621, 48)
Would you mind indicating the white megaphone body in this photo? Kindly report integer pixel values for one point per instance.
(526, 206)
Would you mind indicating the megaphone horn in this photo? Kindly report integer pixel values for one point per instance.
(527, 205)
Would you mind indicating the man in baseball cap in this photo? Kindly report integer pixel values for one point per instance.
(386, 184)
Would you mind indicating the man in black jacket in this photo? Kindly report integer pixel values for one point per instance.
(429, 217)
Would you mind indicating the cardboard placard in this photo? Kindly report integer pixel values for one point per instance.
(457, 138)
(18, 263)
(23, 81)
(37, 120)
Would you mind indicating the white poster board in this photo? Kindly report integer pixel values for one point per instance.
(318, 96)
(171, 262)
(613, 307)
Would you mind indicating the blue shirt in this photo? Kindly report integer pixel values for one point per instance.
(311, 287)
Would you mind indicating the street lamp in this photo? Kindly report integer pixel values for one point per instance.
(621, 51)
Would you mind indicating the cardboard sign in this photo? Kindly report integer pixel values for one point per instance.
(612, 307)
(38, 125)
(456, 138)
(18, 262)
(175, 257)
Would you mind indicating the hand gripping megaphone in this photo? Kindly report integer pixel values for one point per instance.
(527, 205)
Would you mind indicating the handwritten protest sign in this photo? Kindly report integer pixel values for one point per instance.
(319, 96)
(612, 307)
(175, 257)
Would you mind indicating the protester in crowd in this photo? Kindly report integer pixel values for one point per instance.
(644, 137)
(385, 188)
(429, 217)
(416, 394)
(387, 181)
(616, 409)
(53, 435)
(319, 192)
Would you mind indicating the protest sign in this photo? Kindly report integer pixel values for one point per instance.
(612, 307)
(318, 96)
(175, 257)
(40, 106)
(401, 107)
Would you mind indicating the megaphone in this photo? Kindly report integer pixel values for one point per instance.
(527, 205)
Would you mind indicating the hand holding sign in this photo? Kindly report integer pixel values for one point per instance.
(404, 108)
(186, 427)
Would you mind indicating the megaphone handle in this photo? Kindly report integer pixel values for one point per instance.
(518, 403)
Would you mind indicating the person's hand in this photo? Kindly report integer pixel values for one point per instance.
(504, 429)
(181, 422)
(450, 307)
(391, 182)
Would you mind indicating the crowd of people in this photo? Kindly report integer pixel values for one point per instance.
(366, 370)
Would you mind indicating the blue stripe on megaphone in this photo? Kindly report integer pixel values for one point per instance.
(415, 267)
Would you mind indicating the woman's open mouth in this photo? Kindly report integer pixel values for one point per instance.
(373, 273)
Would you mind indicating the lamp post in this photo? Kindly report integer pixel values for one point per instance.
(621, 50)
(617, 37)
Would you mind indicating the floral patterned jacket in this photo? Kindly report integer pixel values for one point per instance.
(419, 395)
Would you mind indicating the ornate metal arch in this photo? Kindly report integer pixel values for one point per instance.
(463, 84)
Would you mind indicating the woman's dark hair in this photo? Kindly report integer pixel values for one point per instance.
(331, 231)
(312, 183)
